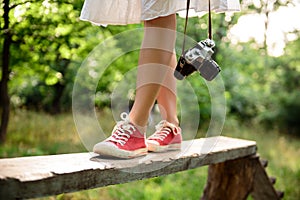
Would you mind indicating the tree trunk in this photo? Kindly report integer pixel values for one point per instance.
(4, 96)
(60, 86)
(56, 103)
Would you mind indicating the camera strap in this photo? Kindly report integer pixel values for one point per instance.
(209, 22)
(186, 23)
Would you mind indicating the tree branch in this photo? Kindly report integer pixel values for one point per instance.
(21, 3)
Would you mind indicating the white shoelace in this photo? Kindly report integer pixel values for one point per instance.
(162, 131)
(122, 130)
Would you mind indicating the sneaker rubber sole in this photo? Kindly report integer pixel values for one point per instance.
(112, 150)
(159, 148)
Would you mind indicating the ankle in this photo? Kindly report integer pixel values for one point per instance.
(173, 121)
(139, 124)
(142, 129)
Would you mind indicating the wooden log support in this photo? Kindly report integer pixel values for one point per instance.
(262, 186)
(273, 180)
(236, 179)
(233, 180)
(264, 163)
(280, 194)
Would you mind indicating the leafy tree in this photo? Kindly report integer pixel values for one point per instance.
(261, 87)
(50, 38)
(43, 44)
(283, 107)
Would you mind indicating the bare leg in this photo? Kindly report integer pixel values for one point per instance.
(156, 54)
(167, 96)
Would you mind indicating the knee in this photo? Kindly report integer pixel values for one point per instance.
(168, 22)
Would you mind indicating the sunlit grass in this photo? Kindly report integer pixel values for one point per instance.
(32, 133)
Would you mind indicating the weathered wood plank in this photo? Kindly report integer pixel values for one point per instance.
(37, 176)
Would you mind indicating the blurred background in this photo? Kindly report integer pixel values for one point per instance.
(43, 44)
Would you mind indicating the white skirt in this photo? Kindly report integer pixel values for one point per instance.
(121, 12)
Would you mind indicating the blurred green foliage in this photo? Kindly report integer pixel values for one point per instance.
(50, 43)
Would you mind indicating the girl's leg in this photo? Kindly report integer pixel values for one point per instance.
(155, 56)
(155, 62)
(167, 96)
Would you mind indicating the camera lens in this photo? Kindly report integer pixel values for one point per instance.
(178, 75)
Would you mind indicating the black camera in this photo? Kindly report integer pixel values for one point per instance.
(199, 59)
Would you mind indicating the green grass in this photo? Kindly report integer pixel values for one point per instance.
(32, 133)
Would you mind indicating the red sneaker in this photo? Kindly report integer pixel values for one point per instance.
(126, 141)
(166, 137)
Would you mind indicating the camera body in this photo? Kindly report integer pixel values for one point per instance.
(199, 59)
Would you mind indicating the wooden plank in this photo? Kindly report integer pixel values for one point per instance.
(29, 177)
